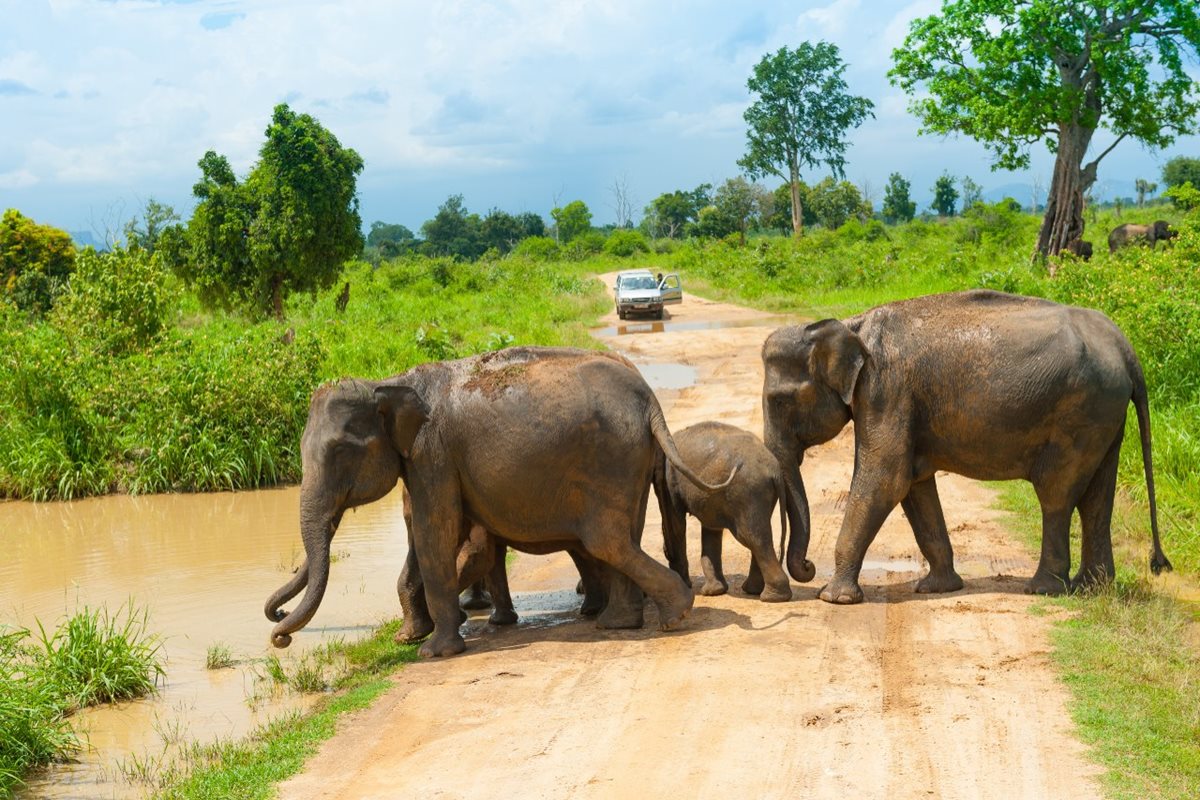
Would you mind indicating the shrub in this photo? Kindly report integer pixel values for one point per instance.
(36, 262)
(624, 243)
(118, 299)
(538, 248)
(583, 246)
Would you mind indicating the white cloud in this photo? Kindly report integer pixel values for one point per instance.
(18, 179)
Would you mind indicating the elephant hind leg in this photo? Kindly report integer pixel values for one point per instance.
(710, 562)
(504, 613)
(1095, 513)
(766, 578)
(923, 508)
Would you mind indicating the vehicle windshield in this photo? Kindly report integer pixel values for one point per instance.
(639, 282)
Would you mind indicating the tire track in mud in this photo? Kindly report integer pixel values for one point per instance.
(903, 696)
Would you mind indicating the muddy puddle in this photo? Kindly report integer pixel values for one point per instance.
(668, 326)
(668, 376)
(203, 565)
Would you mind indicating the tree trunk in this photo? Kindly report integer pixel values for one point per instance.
(277, 297)
(797, 211)
(1063, 221)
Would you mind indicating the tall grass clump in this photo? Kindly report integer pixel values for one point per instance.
(33, 727)
(97, 657)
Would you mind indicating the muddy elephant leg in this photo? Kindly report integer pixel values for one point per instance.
(1095, 513)
(474, 562)
(475, 597)
(710, 563)
(674, 524)
(591, 585)
(871, 500)
(437, 534)
(766, 573)
(674, 600)
(417, 623)
(923, 508)
(504, 613)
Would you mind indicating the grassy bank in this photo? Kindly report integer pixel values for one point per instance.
(99, 398)
(251, 768)
(92, 657)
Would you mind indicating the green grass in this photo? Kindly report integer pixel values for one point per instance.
(1130, 656)
(91, 657)
(219, 656)
(251, 768)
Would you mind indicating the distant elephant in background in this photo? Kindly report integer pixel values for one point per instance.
(1130, 233)
(744, 508)
(988, 385)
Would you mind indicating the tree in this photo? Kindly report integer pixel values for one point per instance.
(1013, 74)
(1144, 187)
(391, 239)
(734, 200)
(972, 193)
(780, 218)
(801, 117)
(36, 262)
(897, 205)
(622, 205)
(571, 220)
(945, 196)
(453, 231)
(289, 227)
(834, 203)
(1181, 169)
(145, 233)
(669, 214)
(531, 224)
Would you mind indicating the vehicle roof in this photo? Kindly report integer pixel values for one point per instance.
(626, 273)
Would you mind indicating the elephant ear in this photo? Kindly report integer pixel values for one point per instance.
(837, 356)
(403, 412)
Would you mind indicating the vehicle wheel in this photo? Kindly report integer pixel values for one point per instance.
(620, 314)
(658, 314)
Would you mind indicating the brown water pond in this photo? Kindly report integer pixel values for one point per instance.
(203, 565)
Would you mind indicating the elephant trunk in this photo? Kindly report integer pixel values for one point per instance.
(274, 606)
(317, 526)
(796, 503)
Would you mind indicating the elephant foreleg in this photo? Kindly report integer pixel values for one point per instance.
(437, 534)
(504, 612)
(923, 508)
(871, 500)
(417, 623)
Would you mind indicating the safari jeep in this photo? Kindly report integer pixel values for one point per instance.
(639, 291)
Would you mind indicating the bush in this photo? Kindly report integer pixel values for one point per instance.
(624, 243)
(583, 246)
(538, 248)
(117, 300)
(36, 262)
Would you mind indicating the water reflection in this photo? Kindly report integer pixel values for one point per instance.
(632, 328)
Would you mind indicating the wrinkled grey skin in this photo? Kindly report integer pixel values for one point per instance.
(539, 445)
(983, 384)
(744, 508)
(1130, 233)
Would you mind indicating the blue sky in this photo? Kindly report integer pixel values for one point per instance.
(516, 105)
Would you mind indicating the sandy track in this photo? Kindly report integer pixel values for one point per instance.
(904, 696)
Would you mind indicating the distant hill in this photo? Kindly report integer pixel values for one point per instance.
(85, 239)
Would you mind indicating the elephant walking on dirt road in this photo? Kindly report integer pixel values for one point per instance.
(744, 508)
(536, 444)
(987, 385)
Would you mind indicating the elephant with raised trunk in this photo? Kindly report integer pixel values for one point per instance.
(984, 384)
(538, 445)
(744, 508)
(1129, 233)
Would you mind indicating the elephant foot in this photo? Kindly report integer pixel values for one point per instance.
(624, 618)
(842, 592)
(414, 630)
(1047, 584)
(753, 584)
(673, 613)
(440, 646)
(776, 594)
(475, 600)
(591, 606)
(939, 582)
(503, 617)
(1089, 578)
(714, 588)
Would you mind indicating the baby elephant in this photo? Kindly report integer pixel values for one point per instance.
(744, 508)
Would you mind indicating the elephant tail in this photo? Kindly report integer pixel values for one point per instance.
(662, 435)
(1158, 559)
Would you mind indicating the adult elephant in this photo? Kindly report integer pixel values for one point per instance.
(985, 384)
(1130, 233)
(534, 444)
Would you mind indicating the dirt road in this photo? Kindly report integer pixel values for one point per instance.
(904, 696)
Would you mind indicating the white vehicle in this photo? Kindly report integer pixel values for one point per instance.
(639, 291)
